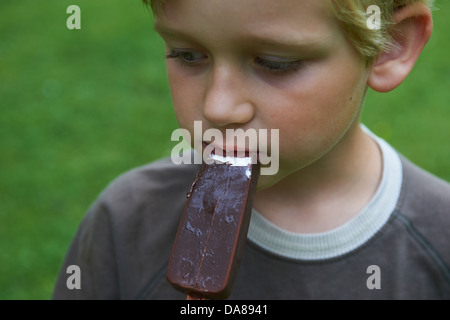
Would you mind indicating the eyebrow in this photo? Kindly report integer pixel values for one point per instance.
(165, 31)
(301, 43)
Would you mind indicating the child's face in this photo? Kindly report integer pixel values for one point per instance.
(264, 64)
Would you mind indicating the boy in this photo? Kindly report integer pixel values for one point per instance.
(344, 217)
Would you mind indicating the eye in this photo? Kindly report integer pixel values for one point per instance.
(278, 65)
(187, 57)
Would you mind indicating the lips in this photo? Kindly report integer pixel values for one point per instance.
(228, 152)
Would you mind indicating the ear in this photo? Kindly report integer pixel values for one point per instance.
(413, 25)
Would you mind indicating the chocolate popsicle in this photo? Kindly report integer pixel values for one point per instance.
(213, 228)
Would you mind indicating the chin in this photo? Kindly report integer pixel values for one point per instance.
(267, 181)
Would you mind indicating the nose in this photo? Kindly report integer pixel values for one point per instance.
(227, 98)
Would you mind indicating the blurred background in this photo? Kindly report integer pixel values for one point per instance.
(80, 107)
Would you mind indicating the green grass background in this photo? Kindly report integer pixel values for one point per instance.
(80, 107)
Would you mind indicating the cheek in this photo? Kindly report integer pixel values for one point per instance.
(184, 95)
(315, 116)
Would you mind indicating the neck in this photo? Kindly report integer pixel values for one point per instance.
(330, 191)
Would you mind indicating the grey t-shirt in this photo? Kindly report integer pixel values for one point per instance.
(123, 245)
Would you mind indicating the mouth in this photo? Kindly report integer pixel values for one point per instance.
(234, 152)
(240, 157)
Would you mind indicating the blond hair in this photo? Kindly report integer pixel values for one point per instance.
(352, 15)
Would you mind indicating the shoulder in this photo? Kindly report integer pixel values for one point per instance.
(424, 206)
(142, 203)
(128, 232)
(160, 181)
(147, 201)
(143, 198)
(422, 191)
